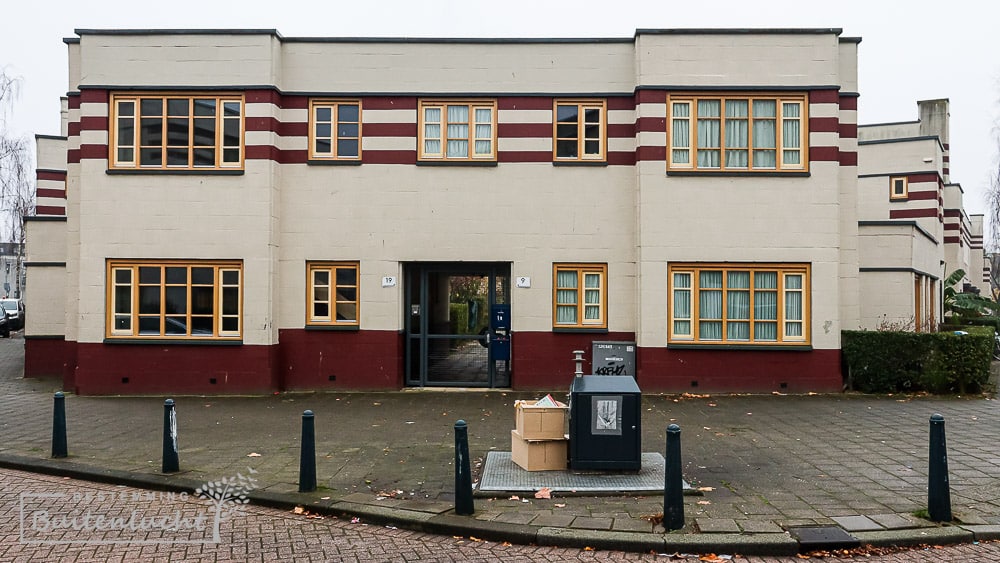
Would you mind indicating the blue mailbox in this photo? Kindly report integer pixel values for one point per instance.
(500, 329)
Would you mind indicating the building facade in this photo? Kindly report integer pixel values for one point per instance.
(237, 211)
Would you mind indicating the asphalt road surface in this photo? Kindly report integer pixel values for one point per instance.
(45, 518)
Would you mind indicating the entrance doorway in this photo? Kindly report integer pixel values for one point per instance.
(452, 336)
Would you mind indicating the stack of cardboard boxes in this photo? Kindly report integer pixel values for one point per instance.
(539, 440)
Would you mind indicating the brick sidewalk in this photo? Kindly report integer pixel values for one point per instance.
(768, 463)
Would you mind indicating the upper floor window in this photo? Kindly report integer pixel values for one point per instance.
(581, 295)
(580, 130)
(458, 131)
(177, 132)
(175, 299)
(899, 187)
(727, 304)
(332, 294)
(737, 133)
(335, 129)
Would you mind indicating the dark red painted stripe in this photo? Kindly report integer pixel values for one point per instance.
(266, 96)
(651, 125)
(293, 156)
(953, 213)
(848, 158)
(649, 153)
(952, 240)
(50, 175)
(824, 97)
(621, 131)
(293, 129)
(524, 102)
(295, 102)
(947, 146)
(389, 157)
(93, 96)
(621, 103)
(50, 192)
(824, 125)
(849, 130)
(73, 129)
(523, 156)
(49, 210)
(945, 170)
(516, 130)
(848, 102)
(651, 97)
(391, 102)
(262, 152)
(824, 154)
(94, 123)
(945, 158)
(922, 178)
(90, 152)
(392, 129)
(912, 213)
(922, 195)
(622, 158)
(73, 101)
(73, 156)
(261, 124)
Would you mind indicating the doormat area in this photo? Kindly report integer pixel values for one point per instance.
(500, 474)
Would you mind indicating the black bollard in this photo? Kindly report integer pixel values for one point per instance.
(463, 471)
(673, 486)
(59, 448)
(938, 494)
(307, 457)
(171, 463)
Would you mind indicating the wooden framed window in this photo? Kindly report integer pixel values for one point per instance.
(335, 129)
(332, 294)
(580, 295)
(762, 304)
(182, 132)
(738, 133)
(458, 131)
(175, 300)
(899, 187)
(580, 131)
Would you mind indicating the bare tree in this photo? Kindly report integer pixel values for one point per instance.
(16, 190)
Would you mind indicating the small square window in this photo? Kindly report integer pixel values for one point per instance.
(899, 187)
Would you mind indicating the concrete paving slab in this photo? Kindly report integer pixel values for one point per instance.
(856, 523)
(501, 475)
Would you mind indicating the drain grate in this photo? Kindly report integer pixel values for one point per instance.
(502, 474)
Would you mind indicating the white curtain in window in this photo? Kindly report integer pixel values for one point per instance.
(791, 135)
(566, 297)
(484, 133)
(738, 305)
(680, 134)
(432, 130)
(458, 131)
(710, 306)
(764, 134)
(592, 296)
(765, 305)
(708, 133)
(736, 133)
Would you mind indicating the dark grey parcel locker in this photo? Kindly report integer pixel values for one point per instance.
(605, 423)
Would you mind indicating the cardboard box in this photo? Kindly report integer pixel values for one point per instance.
(540, 423)
(538, 455)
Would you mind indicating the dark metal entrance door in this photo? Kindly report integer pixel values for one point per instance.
(448, 330)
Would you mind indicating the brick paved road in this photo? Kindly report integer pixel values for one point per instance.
(263, 534)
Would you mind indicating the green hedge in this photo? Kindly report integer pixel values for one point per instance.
(941, 362)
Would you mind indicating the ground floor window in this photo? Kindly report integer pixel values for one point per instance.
(763, 304)
(174, 299)
(332, 294)
(581, 296)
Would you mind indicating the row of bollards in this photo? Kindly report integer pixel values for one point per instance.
(938, 492)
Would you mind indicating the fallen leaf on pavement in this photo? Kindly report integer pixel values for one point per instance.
(253, 454)
(298, 510)
(704, 502)
(544, 492)
(559, 505)
(515, 497)
(706, 489)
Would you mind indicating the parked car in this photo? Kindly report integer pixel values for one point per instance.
(15, 312)
(4, 323)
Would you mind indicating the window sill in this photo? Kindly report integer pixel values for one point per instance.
(335, 328)
(580, 330)
(580, 163)
(483, 163)
(171, 172)
(333, 162)
(740, 174)
(745, 347)
(174, 341)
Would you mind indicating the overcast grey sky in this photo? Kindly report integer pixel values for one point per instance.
(910, 50)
